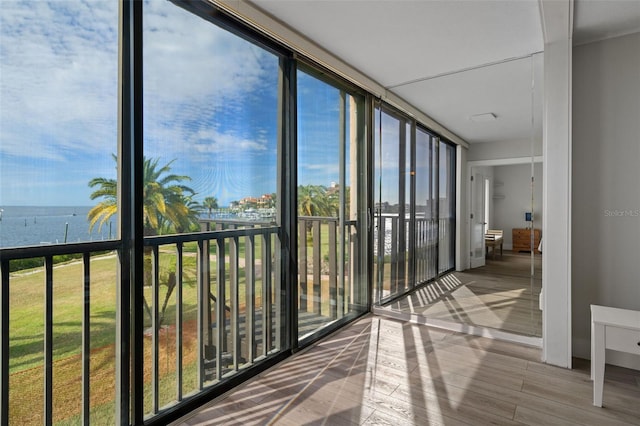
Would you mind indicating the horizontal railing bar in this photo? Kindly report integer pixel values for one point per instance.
(58, 249)
(237, 221)
(208, 235)
(14, 253)
(327, 219)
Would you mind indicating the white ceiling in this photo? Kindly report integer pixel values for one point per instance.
(452, 59)
(600, 19)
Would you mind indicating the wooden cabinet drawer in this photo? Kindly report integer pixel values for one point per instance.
(521, 239)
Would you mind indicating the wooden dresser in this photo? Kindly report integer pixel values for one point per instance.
(522, 239)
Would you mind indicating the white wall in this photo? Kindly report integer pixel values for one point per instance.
(504, 149)
(606, 182)
(512, 198)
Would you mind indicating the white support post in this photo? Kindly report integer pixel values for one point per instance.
(556, 261)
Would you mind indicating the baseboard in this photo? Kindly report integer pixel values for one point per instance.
(581, 348)
(459, 327)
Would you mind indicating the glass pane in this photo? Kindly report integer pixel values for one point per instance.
(328, 133)
(210, 123)
(58, 118)
(408, 228)
(211, 102)
(58, 131)
(447, 218)
(426, 218)
(391, 195)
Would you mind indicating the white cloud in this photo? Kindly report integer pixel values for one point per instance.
(211, 141)
(58, 76)
(328, 168)
(58, 98)
(58, 64)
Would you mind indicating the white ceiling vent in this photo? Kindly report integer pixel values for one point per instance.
(483, 118)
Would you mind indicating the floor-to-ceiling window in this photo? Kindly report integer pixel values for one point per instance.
(391, 164)
(58, 131)
(447, 207)
(330, 153)
(224, 196)
(211, 163)
(414, 200)
(426, 218)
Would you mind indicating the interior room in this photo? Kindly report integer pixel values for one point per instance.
(320, 212)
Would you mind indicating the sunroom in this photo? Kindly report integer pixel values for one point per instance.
(195, 191)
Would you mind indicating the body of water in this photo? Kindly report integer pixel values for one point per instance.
(22, 226)
(25, 226)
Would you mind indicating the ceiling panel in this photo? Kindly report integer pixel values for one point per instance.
(398, 41)
(511, 90)
(600, 19)
(451, 59)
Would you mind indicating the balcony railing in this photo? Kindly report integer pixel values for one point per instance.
(236, 314)
(212, 308)
(407, 253)
(19, 342)
(326, 267)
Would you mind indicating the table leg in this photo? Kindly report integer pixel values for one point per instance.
(593, 350)
(598, 360)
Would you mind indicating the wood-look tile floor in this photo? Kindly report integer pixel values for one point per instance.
(380, 371)
(501, 295)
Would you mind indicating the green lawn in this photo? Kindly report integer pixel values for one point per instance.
(26, 329)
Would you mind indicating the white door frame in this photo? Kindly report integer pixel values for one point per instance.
(477, 217)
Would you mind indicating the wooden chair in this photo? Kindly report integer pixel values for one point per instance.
(493, 238)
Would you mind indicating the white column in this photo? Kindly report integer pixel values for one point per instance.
(556, 232)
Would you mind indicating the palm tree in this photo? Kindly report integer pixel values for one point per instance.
(333, 197)
(210, 203)
(313, 201)
(102, 212)
(168, 205)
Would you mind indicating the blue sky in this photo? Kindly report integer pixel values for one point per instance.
(210, 104)
(57, 108)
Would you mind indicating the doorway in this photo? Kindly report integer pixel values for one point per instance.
(499, 296)
(506, 195)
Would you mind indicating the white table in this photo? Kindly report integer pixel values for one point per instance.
(611, 328)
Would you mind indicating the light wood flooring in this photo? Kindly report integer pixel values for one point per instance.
(500, 295)
(381, 371)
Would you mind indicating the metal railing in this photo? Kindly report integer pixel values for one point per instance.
(239, 309)
(47, 254)
(212, 306)
(407, 253)
(326, 266)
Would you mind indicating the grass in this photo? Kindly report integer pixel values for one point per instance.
(27, 298)
(26, 329)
